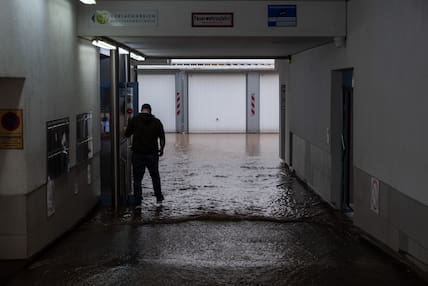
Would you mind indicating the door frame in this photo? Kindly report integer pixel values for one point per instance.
(341, 172)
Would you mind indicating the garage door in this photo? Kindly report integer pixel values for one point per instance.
(159, 92)
(217, 103)
(269, 103)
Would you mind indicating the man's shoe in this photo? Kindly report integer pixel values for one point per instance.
(159, 200)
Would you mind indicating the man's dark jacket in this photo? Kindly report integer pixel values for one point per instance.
(146, 129)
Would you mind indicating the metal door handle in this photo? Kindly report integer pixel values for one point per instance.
(343, 142)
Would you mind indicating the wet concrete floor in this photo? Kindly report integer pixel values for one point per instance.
(232, 215)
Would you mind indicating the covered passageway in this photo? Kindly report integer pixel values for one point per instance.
(294, 146)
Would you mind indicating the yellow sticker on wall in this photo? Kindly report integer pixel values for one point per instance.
(11, 129)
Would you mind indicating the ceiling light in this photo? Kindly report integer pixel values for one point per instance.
(123, 51)
(88, 1)
(103, 45)
(137, 57)
(208, 67)
(222, 61)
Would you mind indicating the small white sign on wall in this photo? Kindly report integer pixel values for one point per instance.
(212, 19)
(50, 197)
(89, 175)
(374, 195)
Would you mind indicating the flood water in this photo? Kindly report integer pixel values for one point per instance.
(228, 177)
(232, 215)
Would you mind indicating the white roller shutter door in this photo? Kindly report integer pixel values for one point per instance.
(217, 103)
(269, 103)
(159, 91)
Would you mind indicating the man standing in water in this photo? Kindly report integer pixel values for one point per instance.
(147, 146)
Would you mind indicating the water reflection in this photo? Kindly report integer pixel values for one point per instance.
(252, 144)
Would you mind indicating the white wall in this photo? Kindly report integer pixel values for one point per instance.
(390, 95)
(389, 60)
(217, 102)
(59, 77)
(309, 93)
(386, 46)
(39, 43)
(159, 91)
(269, 102)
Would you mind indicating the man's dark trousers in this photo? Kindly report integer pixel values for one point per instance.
(139, 163)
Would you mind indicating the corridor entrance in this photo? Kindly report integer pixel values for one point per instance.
(205, 30)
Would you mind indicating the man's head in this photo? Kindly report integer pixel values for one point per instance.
(146, 108)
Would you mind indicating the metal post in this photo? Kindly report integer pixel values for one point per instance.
(127, 149)
(128, 67)
(114, 126)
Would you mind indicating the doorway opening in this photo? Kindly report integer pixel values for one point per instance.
(342, 195)
(347, 139)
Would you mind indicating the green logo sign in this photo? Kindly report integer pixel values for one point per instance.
(101, 17)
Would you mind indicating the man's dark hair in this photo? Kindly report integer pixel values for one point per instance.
(146, 106)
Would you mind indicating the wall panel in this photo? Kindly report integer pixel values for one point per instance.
(269, 103)
(217, 103)
(159, 91)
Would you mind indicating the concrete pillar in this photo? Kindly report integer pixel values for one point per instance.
(253, 103)
(181, 102)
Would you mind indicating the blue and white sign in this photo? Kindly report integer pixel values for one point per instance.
(282, 15)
